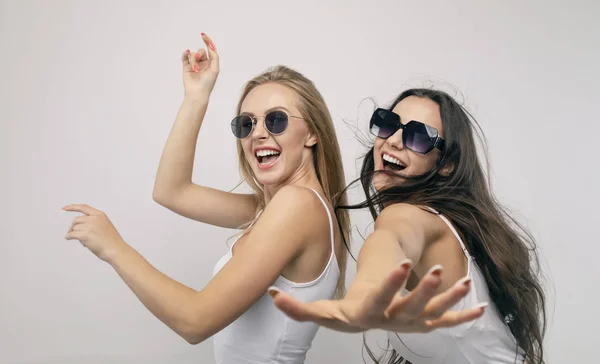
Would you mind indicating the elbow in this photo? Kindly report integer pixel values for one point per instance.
(158, 196)
(194, 335)
(163, 196)
(168, 195)
(194, 329)
(193, 340)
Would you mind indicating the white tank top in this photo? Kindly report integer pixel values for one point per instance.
(486, 340)
(264, 334)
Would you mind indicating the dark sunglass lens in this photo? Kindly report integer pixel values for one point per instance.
(382, 125)
(241, 126)
(276, 122)
(418, 137)
(383, 130)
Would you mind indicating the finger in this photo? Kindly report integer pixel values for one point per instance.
(295, 309)
(446, 300)
(455, 318)
(212, 52)
(414, 304)
(83, 208)
(79, 220)
(185, 59)
(75, 235)
(196, 58)
(201, 55)
(382, 297)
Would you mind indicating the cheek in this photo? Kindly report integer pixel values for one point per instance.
(292, 142)
(377, 151)
(247, 148)
(422, 163)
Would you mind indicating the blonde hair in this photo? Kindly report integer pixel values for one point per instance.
(326, 152)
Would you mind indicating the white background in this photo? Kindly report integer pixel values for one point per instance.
(89, 91)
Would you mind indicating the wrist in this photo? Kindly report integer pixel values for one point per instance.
(196, 98)
(118, 254)
(358, 290)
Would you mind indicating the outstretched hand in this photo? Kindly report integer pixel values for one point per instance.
(382, 307)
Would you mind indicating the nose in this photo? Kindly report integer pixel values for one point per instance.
(259, 131)
(395, 141)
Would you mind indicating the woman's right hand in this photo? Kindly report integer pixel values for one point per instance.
(200, 69)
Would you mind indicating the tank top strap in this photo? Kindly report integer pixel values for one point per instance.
(453, 229)
(332, 236)
(256, 218)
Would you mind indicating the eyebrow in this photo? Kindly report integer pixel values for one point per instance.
(268, 110)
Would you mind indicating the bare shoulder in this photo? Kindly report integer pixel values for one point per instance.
(296, 198)
(402, 216)
(398, 212)
(297, 208)
(294, 214)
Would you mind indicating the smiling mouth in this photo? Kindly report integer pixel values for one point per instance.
(266, 156)
(392, 164)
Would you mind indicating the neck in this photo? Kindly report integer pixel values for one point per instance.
(305, 176)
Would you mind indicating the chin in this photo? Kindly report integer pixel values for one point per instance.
(379, 182)
(269, 180)
(269, 177)
(382, 181)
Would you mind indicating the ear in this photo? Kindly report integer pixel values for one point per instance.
(447, 169)
(311, 140)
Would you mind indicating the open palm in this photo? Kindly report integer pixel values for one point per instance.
(381, 307)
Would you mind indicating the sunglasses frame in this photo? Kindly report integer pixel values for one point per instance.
(435, 142)
(255, 121)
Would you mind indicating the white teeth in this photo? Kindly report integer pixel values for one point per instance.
(389, 158)
(266, 152)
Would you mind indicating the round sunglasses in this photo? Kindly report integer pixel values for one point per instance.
(416, 136)
(275, 122)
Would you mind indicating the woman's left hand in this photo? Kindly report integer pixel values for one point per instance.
(95, 231)
(381, 307)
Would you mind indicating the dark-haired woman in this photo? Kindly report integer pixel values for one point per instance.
(433, 208)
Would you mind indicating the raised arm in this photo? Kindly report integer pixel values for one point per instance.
(173, 187)
(275, 240)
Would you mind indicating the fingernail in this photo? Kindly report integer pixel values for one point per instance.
(65, 207)
(187, 51)
(203, 34)
(466, 281)
(197, 57)
(211, 45)
(482, 305)
(436, 270)
(196, 68)
(406, 263)
(273, 291)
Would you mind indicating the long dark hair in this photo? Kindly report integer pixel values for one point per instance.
(503, 249)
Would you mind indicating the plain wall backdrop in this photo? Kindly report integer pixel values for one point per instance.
(89, 91)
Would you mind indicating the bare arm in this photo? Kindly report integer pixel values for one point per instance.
(373, 300)
(173, 187)
(400, 233)
(274, 241)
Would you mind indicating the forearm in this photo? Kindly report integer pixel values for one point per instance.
(173, 303)
(379, 255)
(177, 160)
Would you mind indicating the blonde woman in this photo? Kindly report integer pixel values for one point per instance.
(291, 239)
